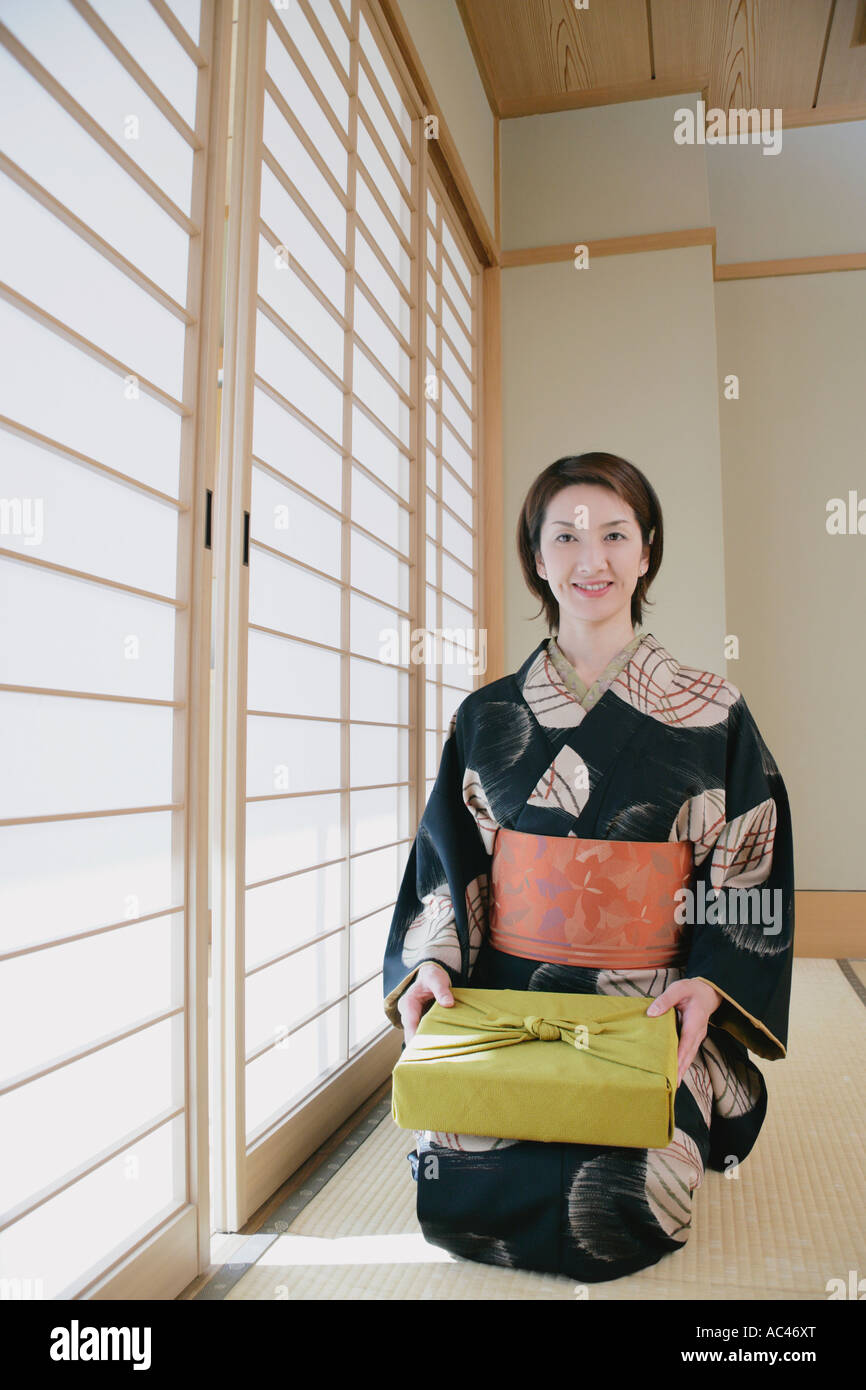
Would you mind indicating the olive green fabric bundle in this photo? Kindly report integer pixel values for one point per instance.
(526, 1064)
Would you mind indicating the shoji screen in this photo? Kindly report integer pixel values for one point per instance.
(319, 693)
(452, 312)
(110, 335)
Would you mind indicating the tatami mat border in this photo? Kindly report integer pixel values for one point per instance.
(853, 979)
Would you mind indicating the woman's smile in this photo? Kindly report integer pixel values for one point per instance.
(593, 590)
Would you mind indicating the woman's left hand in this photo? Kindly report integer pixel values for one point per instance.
(694, 1001)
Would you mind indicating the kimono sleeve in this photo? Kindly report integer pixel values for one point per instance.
(743, 932)
(441, 909)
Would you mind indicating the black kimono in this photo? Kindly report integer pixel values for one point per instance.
(655, 751)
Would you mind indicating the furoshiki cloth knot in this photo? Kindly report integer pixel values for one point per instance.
(549, 1032)
(607, 1074)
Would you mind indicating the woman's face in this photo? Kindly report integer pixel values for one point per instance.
(592, 554)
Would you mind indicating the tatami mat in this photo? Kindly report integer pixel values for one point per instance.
(793, 1219)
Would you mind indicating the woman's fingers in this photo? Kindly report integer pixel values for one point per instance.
(435, 982)
(675, 994)
(431, 982)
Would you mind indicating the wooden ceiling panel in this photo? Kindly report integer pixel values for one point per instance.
(541, 50)
(843, 80)
(807, 57)
(758, 53)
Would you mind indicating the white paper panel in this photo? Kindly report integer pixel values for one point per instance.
(189, 14)
(47, 263)
(292, 677)
(455, 495)
(374, 630)
(99, 1216)
(287, 913)
(378, 755)
(297, 234)
(153, 46)
(379, 512)
(289, 599)
(286, 367)
(295, 24)
(65, 633)
(379, 228)
(367, 944)
(457, 258)
(456, 415)
(456, 580)
(381, 341)
(377, 279)
(454, 369)
(286, 292)
(291, 755)
(379, 454)
(366, 1013)
(281, 994)
(384, 78)
(284, 519)
(81, 518)
(376, 391)
(304, 173)
(65, 755)
(375, 881)
(456, 538)
(378, 816)
(289, 446)
(276, 1080)
(52, 147)
(452, 287)
(454, 614)
(86, 408)
(102, 870)
(386, 132)
(455, 332)
(379, 572)
(68, 48)
(306, 107)
(378, 691)
(42, 1019)
(282, 836)
(70, 1115)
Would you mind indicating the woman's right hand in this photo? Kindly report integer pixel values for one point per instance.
(431, 982)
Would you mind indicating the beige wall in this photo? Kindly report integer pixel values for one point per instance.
(807, 200)
(795, 438)
(796, 596)
(438, 34)
(620, 357)
(601, 172)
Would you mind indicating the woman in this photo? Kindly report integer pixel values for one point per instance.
(607, 821)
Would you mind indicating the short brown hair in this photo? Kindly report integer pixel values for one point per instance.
(606, 470)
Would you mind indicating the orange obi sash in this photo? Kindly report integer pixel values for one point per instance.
(604, 904)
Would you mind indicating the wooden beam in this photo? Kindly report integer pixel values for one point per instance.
(611, 246)
(491, 520)
(653, 87)
(797, 265)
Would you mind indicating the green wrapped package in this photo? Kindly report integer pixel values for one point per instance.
(525, 1064)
